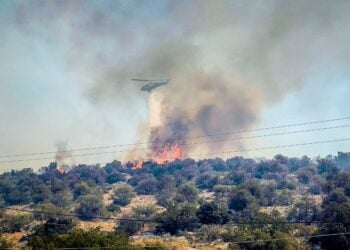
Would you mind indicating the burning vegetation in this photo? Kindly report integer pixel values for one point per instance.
(137, 164)
(168, 153)
(60, 170)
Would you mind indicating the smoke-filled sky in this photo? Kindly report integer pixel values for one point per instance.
(66, 66)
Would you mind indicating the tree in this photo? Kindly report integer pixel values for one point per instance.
(147, 186)
(41, 193)
(284, 198)
(222, 193)
(213, 213)
(305, 175)
(122, 195)
(338, 216)
(177, 218)
(48, 211)
(115, 177)
(58, 225)
(304, 210)
(258, 238)
(81, 188)
(78, 238)
(14, 223)
(188, 192)
(336, 196)
(145, 212)
(166, 190)
(325, 166)
(207, 180)
(240, 200)
(90, 206)
(63, 198)
(209, 233)
(130, 225)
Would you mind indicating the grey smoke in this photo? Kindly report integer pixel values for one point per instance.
(227, 60)
(63, 156)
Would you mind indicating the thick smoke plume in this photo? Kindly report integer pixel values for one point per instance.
(63, 156)
(227, 60)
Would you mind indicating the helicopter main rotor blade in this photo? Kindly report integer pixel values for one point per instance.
(141, 80)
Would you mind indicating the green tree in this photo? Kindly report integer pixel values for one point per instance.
(258, 238)
(41, 193)
(336, 196)
(241, 199)
(63, 198)
(55, 225)
(304, 210)
(90, 206)
(213, 213)
(81, 188)
(14, 223)
(131, 225)
(177, 218)
(188, 192)
(147, 186)
(284, 198)
(79, 238)
(122, 195)
(48, 211)
(338, 216)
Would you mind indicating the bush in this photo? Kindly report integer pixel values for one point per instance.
(240, 200)
(188, 192)
(90, 206)
(49, 211)
(113, 208)
(177, 218)
(79, 238)
(123, 195)
(147, 186)
(213, 213)
(14, 223)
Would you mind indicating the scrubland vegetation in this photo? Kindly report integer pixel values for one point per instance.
(240, 203)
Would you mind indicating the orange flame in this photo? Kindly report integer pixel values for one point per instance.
(60, 170)
(168, 153)
(137, 164)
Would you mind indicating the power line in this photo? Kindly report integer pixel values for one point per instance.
(172, 221)
(275, 147)
(195, 155)
(190, 138)
(291, 238)
(234, 242)
(114, 247)
(223, 140)
(258, 241)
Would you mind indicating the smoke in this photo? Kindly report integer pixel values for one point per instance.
(63, 156)
(227, 60)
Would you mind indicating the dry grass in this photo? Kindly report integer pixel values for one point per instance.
(283, 210)
(14, 212)
(206, 195)
(176, 243)
(107, 226)
(140, 200)
(15, 238)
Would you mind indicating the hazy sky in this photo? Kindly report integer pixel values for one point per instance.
(65, 68)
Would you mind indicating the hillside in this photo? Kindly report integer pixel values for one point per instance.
(193, 204)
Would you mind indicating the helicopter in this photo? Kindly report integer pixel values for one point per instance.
(151, 84)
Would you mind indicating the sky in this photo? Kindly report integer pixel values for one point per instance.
(66, 66)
